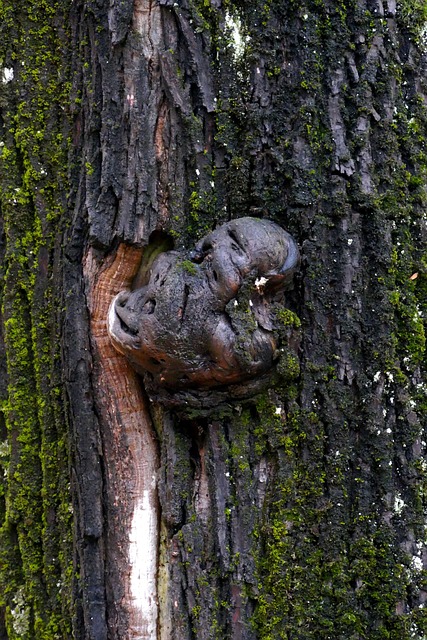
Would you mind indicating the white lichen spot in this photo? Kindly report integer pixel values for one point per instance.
(260, 282)
(20, 614)
(423, 37)
(398, 504)
(377, 376)
(4, 449)
(350, 241)
(278, 411)
(238, 39)
(417, 563)
(7, 75)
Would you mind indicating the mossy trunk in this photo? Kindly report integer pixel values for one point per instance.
(300, 514)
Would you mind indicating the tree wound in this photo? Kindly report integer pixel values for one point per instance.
(205, 319)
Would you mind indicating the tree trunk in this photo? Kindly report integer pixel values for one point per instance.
(131, 127)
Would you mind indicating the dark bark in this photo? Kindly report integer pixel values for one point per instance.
(300, 514)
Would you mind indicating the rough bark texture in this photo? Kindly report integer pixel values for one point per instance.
(302, 514)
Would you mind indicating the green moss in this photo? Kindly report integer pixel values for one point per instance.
(188, 266)
(413, 15)
(287, 318)
(288, 366)
(35, 532)
(306, 580)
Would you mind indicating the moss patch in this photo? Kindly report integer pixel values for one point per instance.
(35, 531)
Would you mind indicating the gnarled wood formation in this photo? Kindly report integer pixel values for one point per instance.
(130, 460)
(181, 326)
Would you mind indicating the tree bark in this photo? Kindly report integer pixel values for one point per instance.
(130, 127)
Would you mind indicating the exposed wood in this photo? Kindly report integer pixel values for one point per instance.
(130, 461)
